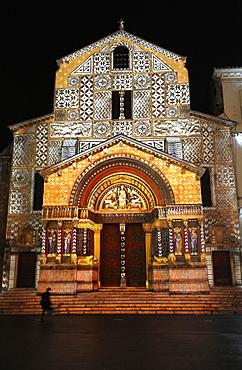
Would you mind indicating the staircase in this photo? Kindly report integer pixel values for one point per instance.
(125, 301)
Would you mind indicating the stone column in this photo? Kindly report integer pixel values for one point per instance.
(97, 244)
(147, 230)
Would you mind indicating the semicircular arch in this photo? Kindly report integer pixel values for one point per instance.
(150, 175)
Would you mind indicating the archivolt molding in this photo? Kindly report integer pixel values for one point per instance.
(122, 191)
(109, 163)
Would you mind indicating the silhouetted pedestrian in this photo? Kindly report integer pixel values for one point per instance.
(46, 303)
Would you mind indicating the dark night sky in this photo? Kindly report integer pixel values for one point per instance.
(35, 34)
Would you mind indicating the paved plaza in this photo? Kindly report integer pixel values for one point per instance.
(127, 342)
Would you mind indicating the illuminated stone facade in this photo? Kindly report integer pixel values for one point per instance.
(122, 157)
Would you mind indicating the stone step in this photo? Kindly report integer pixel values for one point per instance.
(129, 300)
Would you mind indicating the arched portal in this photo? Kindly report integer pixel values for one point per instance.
(123, 194)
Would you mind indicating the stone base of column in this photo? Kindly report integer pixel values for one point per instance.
(87, 278)
(185, 278)
(67, 278)
(159, 278)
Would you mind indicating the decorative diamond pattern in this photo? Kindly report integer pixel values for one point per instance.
(208, 146)
(158, 96)
(86, 98)
(41, 145)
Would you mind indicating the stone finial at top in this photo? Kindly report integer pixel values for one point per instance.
(121, 24)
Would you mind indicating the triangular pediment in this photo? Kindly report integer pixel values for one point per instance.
(122, 140)
(138, 43)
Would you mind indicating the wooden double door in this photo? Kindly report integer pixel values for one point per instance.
(222, 268)
(128, 252)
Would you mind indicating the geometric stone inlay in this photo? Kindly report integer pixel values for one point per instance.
(192, 149)
(223, 146)
(122, 82)
(158, 95)
(225, 176)
(227, 198)
(86, 98)
(23, 150)
(102, 105)
(54, 154)
(41, 145)
(102, 82)
(18, 201)
(84, 68)
(124, 127)
(141, 104)
(141, 62)
(20, 177)
(142, 128)
(101, 63)
(102, 129)
(177, 94)
(158, 65)
(66, 98)
(142, 81)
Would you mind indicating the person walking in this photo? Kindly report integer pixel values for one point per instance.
(46, 304)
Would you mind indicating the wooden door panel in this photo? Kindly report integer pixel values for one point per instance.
(110, 255)
(26, 270)
(135, 255)
(222, 268)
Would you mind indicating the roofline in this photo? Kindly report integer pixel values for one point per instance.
(113, 36)
(121, 137)
(216, 119)
(39, 119)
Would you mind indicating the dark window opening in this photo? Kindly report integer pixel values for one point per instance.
(121, 58)
(206, 189)
(115, 105)
(38, 192)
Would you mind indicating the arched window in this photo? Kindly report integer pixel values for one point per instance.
(38, 192)
(121, 58)
(206, 189)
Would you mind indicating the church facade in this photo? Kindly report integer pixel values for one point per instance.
(122, 185)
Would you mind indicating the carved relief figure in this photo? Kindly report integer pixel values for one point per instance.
(193, 240)
(67, 241)
(177, 240)
(122, 198)
(51, 241)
